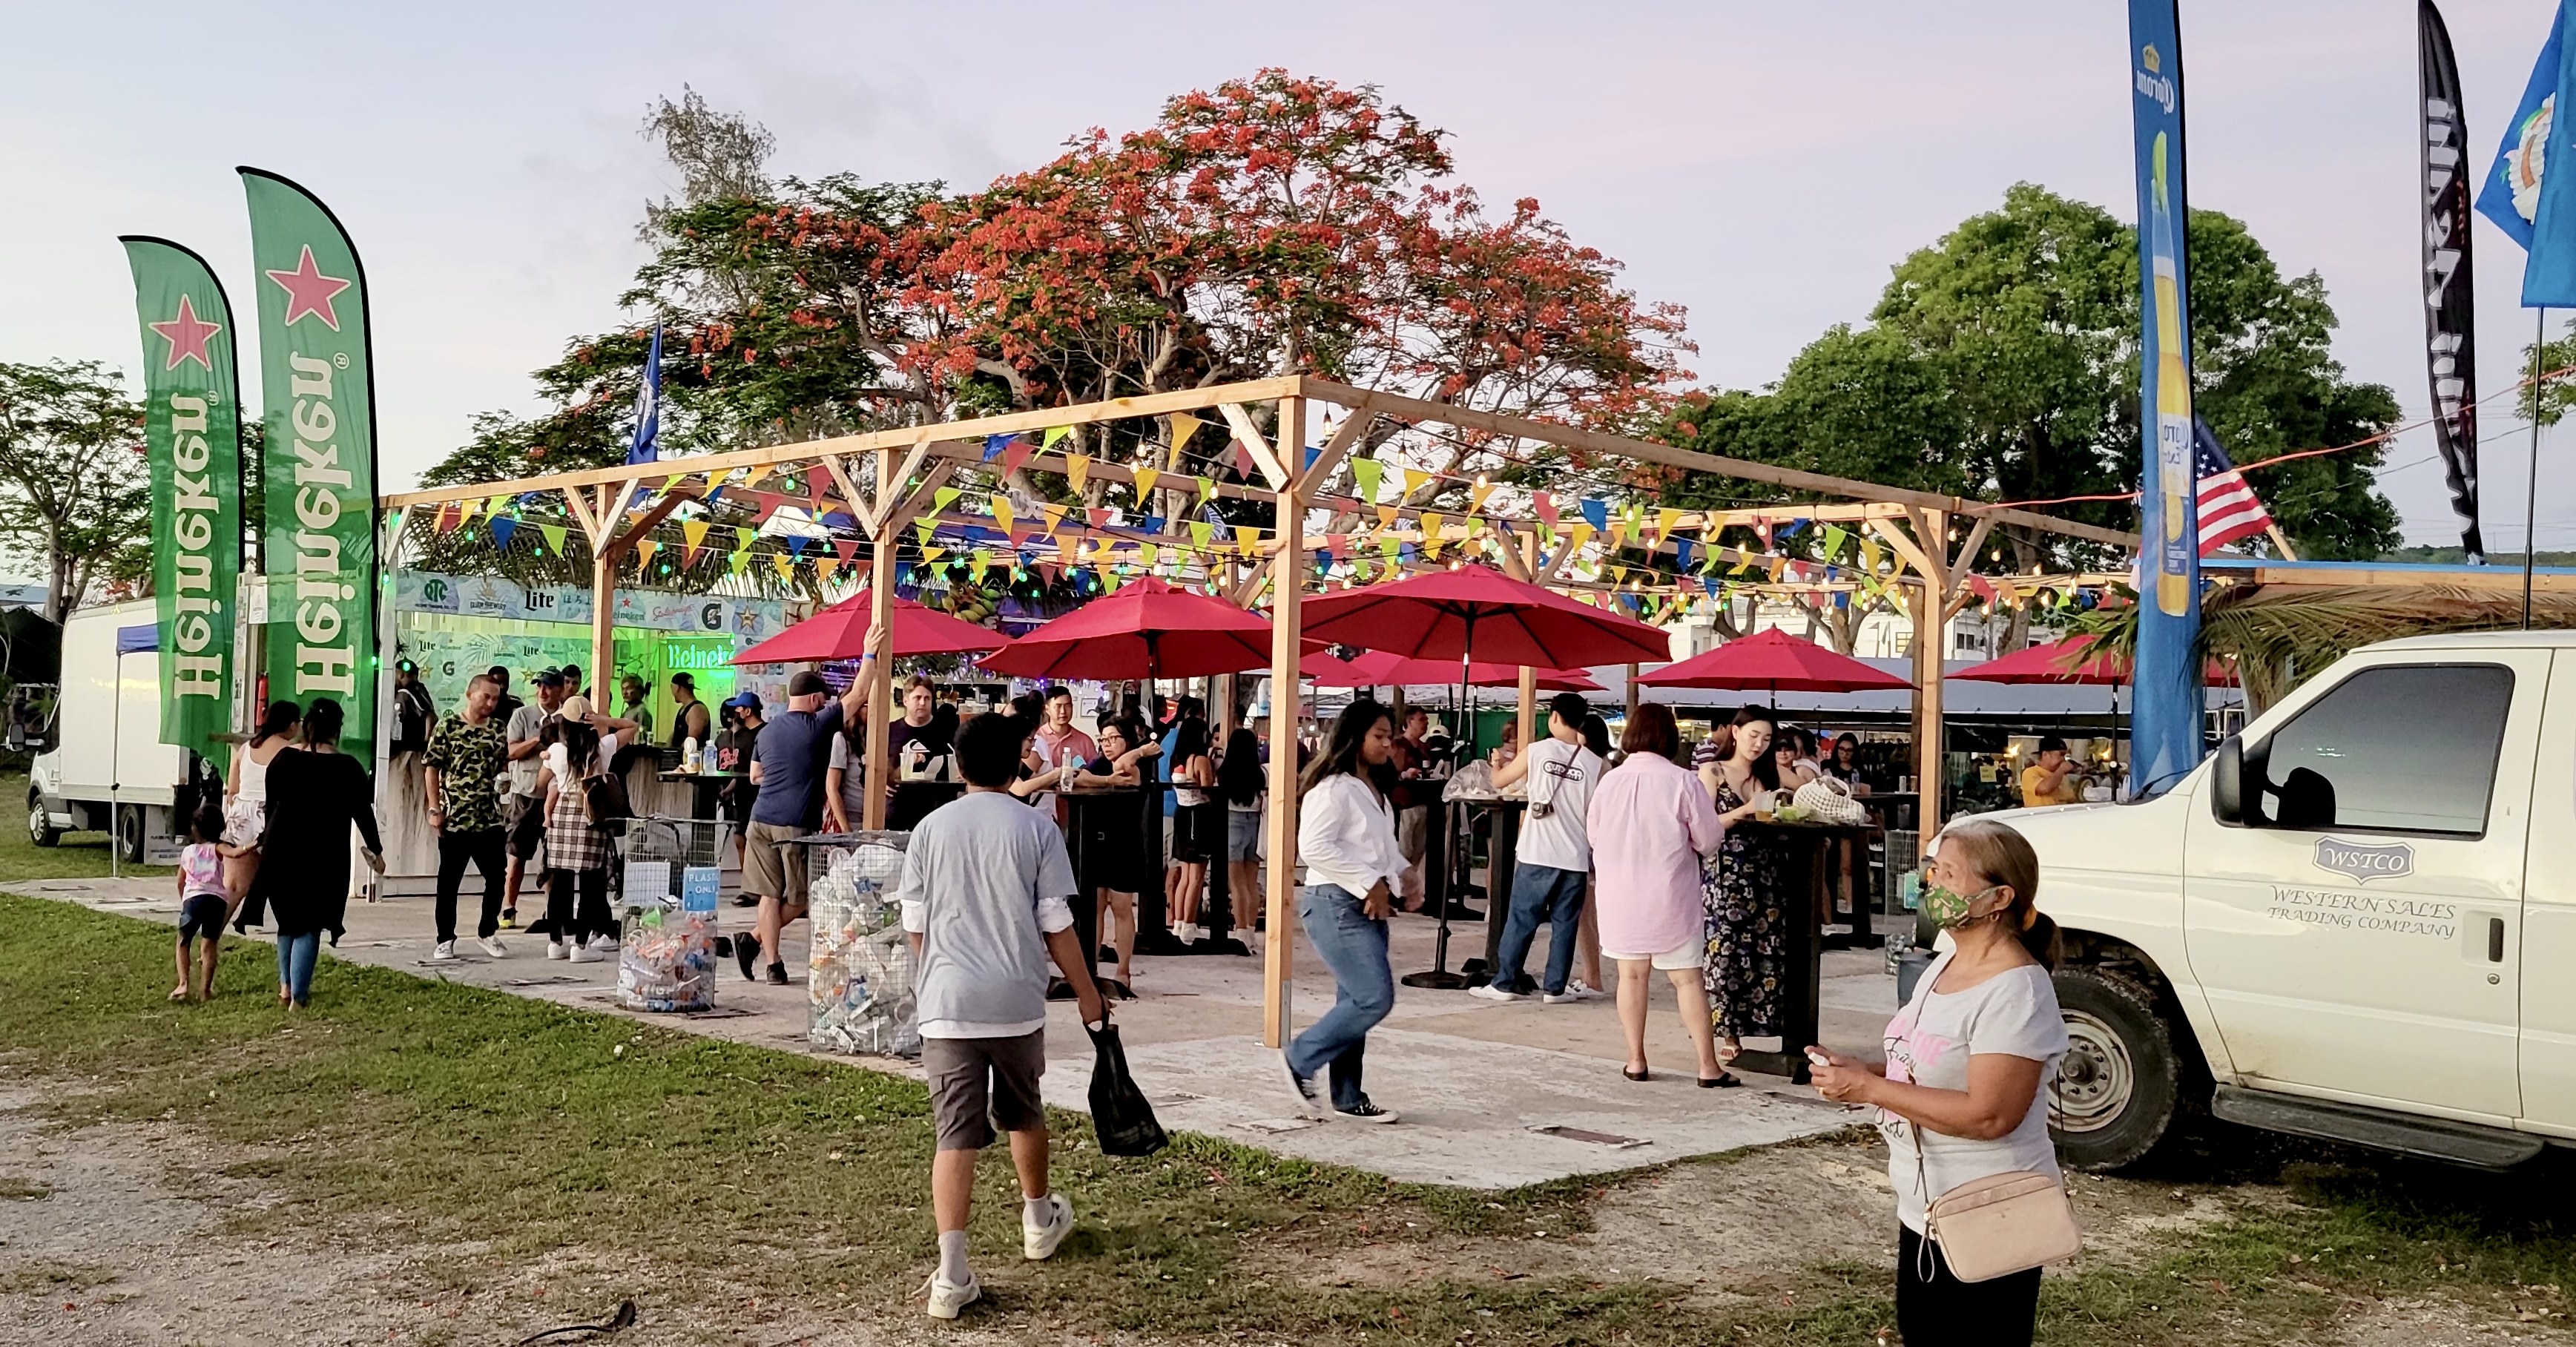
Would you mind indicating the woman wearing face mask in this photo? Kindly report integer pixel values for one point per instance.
(1967, 1060)
(1747, 921)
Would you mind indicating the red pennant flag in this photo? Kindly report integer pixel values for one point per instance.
(1100, 519)
(1546, 507)
(449, 517)
(816, 483)
(1017, 454)
(1982, 587)
(1243, 467)
(848, 548)
(769, 503)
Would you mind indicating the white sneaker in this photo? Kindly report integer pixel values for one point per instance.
(607, 943)
(554, 949)
(492, 945)
(947, 1298)
(585, 954)
(1037, 1242)
(1578, 991)
(445, 952)
(1490, 992)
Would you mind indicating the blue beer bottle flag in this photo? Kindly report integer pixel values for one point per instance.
(648, 407)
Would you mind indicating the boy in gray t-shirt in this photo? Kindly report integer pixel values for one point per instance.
(984, 892)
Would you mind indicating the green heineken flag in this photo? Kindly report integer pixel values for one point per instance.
(319, 473)
(191, 395)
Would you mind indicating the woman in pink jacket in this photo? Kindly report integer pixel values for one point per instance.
(1650, 823)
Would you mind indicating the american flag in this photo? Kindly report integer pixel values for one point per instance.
(2228, 509)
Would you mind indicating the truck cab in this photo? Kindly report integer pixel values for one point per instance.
(2342, 924)
(104, 767)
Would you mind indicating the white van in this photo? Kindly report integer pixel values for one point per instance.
(106, 765)
(2356, 921)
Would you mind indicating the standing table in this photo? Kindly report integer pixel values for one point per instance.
(1806, 852)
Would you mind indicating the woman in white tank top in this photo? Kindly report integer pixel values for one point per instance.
(246, 791)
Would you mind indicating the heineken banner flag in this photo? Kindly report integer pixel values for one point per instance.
(319, 469)
(2166, 736)
(2450, 305)
(191, 393)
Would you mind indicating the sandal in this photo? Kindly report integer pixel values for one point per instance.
(1636, 1075)
(1725, 1081)
(178, 993)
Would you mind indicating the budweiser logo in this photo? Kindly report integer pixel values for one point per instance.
(2365, 862)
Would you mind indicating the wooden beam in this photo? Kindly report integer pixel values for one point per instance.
(914, 505)
(1905, 548)
(1931, 648)
(1281, 873)
(1524, 557)
(1241, 423)
(863, 507)
(913, 459)
(627, 537)
(1568, 437)
(1337, 448)
(574, 501)
(880, 757)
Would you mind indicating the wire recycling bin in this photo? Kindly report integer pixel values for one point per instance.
(668, 890)
(859, 979)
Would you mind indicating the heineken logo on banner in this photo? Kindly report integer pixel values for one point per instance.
(320, 460)
(192, 437)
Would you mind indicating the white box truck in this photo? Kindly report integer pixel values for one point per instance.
(2355, 921)
(105, 765)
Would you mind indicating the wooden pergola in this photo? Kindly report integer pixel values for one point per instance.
(1932, 537)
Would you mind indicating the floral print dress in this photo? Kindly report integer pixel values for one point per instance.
(1747, 929)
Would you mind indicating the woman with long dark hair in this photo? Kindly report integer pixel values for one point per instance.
(1650, 826)
(315, 794)
(1198, 828)
(1243, 786)
(246, 795)
(1346, 839)
(1747, 923)
(576, 848)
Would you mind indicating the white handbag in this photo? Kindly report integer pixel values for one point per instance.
(1827, 800)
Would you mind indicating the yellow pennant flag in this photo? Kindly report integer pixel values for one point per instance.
(1576, 535)
(1472, 547)
(1145, 479)
(982, 562)
(1433, 531)
(1477, 494)
(1665, 522)
(1184, 426)
(465, 511)
(1054, 517)
(1618, 533)
(693, 532)
(786, 565)
(644, 555)
(753, 477)
(1415, 481)
(1386, 516)
(825, 565)
(1247, 538)
(1052, 434)
(931, 554)
(1077, 469)
(1002, 511)
(1869, 555)
(1779, 565)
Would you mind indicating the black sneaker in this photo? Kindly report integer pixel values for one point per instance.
(778, 975)
(1366, 1112)
(746, 951)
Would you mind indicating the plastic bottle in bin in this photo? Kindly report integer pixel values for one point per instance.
(916, 761)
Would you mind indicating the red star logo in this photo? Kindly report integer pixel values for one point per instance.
(187, 336)
(309, 291)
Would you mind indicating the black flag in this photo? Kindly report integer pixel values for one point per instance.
(2450, 306)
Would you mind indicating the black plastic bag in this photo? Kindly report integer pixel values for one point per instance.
(1119, 1113)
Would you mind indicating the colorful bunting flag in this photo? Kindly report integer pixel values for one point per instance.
(693, 535)
(1002, 511)
(1077, 470)
(1365, 474)
(554, 536)
(1145, 479)
(1184, 426)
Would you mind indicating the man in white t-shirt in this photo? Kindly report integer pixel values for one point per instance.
(1554, 857)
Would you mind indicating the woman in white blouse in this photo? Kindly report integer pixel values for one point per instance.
(1346, 841)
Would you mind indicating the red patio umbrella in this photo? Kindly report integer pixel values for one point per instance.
(841, 632)
(1325, 669)
(2058, 662)
(1479, 612)
(1146, 630)
(1378, 667)
(1775, 660)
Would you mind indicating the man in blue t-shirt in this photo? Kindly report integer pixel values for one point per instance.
(787, 767)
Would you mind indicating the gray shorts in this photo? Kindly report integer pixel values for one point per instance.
(978, 1082)
(771, 867)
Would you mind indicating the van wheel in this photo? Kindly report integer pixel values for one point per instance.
(2121, 1083)
(40, 825)
(129, 833)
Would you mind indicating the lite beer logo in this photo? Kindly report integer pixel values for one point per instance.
(2365, 862)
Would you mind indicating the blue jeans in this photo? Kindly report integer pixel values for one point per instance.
(1353, 945)
(295, 957)
(1540, 893)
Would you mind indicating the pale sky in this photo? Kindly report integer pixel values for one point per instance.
(1762, 164)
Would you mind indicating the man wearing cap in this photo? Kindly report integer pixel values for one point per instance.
(527, 815)
(688, 714)
(735, 746)
(788, 767)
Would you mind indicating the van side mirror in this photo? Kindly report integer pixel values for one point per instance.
(2227, 783)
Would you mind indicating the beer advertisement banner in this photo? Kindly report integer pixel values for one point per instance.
(192, 435)
(2450, 304)
(2166, 739)
(319, 470)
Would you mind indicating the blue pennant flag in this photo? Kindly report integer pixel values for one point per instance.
(796, 546)
(995, 444)
(502, 527)
(1682, 552)
(1708, 585)
(1596, 512)
(1313, 452)
(648, 407)
(1153, 523)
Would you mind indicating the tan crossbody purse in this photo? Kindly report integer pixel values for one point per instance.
(2003, 1223)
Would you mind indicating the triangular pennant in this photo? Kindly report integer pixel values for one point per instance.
(1201, 531)
(693, 535)
(1002, 511)
(1414, 481)
(1244, 467)
(1386, 516)
(1184, 426)
(982, 562)
(1017, 455)
(995, 444)
(1054, 517)
(465, 510)
(736, 561)
(1145, 479)
(1665, 522)
(502, 528)
(1834, 539)
(644, 555)
(1207, 488)
(1247, 538)
(753, 476)
(1545, 504)
(554, 536)
(1077, 469)
(1432, 526)
(1052, 434)
(848, 548)
(942, 498)
(742, 538)
(1596, 512)
(449, 517)
(786, 565)
(1365, 473)
(1476, 494)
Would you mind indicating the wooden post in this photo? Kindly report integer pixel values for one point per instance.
(603, 619)
(1286, 587)
(1931, 637)
(880, 766)
(1632, 691)
(1529, 676)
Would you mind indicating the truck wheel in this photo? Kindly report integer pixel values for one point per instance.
(2121, 1082)
(40, 825)
(129, 833)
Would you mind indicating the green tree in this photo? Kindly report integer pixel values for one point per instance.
(75, 494)
(2001, 364)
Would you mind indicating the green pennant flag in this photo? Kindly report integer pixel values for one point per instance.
(554, 536)
(742, 537)
(737, 560)
(1365, 472)
(318, 390)
(942, 498)
(1834, 540)
(192, 436)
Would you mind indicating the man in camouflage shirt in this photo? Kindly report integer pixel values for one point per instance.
(466, 753)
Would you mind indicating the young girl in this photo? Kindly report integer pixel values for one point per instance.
(206, 901)
(576, 848)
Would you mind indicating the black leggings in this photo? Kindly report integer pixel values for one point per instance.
(578, 923)
(1941, 1310)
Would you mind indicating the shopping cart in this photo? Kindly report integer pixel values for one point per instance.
(859, 983)
(668, 885)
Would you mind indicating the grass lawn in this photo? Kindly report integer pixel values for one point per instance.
(76, 856)
(436, 1112)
